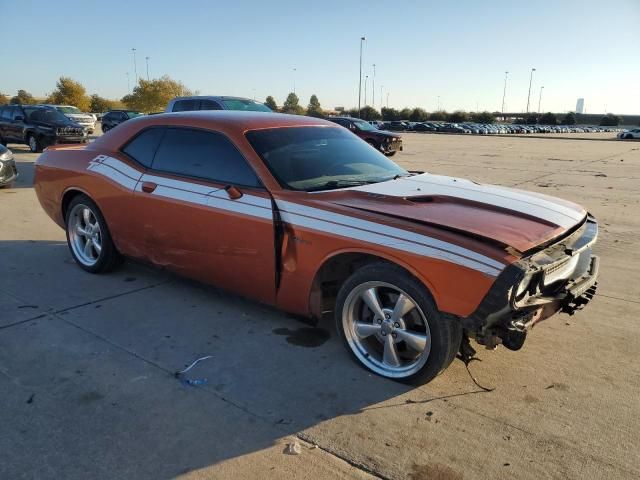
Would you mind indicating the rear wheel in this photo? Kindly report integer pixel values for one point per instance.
(34, 143)
(88, 236)
(390, 324)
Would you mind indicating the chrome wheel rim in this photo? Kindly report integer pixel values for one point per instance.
(386, 329)
(32, 143)
(85, 236)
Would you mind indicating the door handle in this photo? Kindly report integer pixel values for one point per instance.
(148, 187)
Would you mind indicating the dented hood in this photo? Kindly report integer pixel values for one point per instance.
(515, 218)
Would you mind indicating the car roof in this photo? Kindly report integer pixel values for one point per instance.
(232, 122)
(213, 97)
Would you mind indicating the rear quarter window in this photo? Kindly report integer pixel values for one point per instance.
(203, 154)
(185, 105)
(144, 146)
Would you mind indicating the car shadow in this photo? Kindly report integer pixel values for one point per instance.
(96, 373)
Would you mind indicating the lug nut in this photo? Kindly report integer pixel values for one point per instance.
(379, 320)
(387, 316)
(397, 325)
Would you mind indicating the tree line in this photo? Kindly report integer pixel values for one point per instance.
(151, 96)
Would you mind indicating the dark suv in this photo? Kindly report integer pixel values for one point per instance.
(116, 117)
(38, 127)
(387, 142)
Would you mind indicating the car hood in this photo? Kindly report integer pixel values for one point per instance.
(510, 217)
(78, 116)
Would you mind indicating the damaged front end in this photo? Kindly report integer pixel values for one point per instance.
(561, 277)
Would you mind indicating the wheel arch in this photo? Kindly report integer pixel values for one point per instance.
(338, 266)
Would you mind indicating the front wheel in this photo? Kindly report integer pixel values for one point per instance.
(390, 324)
(88, 236)
(390, 154)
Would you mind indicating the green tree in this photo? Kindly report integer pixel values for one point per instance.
(548, 119)
(405, 113)
(99, 105)
(418, 115)
(4, 100)
(154, 95)
(291, 105)
(23, 98)
(458, 116)
(483, 117)
(271, 103)
(70, 92)
(369, 113)
(569, 119)
(439, 115)
(610, 120)
(314, 109)
(390, 114)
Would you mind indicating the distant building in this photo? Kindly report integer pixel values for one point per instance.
(580, 105)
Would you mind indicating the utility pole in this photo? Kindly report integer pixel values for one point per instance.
(294, 80)
(530, 81)
(504, 92)
(147, 60)
(373, 88)
(362, 39)
(135, 67)
(540, 99)
(366, 77)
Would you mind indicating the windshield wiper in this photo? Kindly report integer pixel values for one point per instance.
(331, 184)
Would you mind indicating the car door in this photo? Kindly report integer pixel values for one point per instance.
(204, 213)
(15, 126)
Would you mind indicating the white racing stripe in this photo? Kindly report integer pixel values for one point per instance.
(502, 197)
(371, 232)
(298, 215)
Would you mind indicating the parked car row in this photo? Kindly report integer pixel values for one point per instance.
(629, 134)
(485, 128)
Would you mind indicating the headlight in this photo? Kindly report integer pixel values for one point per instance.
(8, 155)
(523, 285)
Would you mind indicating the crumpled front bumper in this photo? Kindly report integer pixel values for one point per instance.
(537, 287)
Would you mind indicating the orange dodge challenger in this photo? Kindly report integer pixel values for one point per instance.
(300, 213)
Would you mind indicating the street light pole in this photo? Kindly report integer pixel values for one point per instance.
(540, 99)
(373, 87)
(387, 99)
(128, 84)
(530, 81)
(504, 92)
(135, 67)
(366, 77)
(147, 60)
(362, 39)
(438, 102)
(294, 80)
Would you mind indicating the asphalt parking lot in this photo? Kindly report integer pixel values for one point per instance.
(86, 362)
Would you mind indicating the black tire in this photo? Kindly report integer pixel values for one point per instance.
(109, 257)
(104, 128)
(390, 154)
(445, 331)
(35, 145)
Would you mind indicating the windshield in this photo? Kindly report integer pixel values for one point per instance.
(362, 125)
(245, 104)
(133, 114)
(68, 109)
(321, 158)
(49, 115)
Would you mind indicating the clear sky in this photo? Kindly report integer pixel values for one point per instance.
(458, 50)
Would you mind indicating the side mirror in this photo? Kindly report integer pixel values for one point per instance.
(19, 118)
